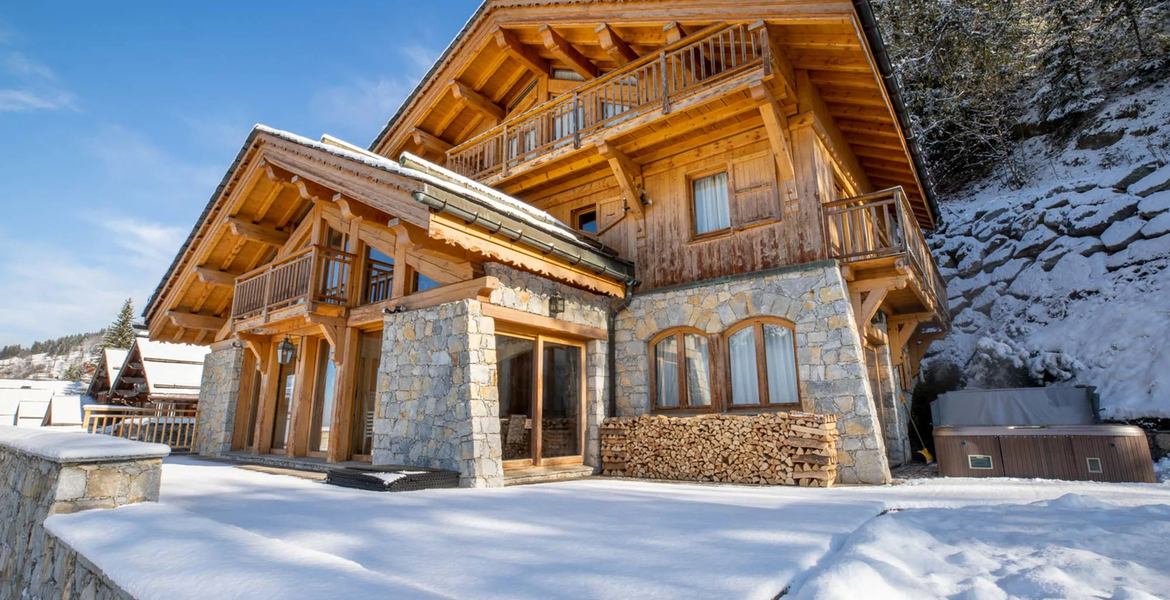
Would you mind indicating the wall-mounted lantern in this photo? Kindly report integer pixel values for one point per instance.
(286, 351)
(556, 304)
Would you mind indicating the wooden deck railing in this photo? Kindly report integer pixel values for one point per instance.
(879, 225)
(379, 281)
(174, 426)
(651, 82)
(315, 274)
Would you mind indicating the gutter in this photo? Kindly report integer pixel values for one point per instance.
(873, 35)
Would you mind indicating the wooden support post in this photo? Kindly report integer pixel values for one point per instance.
(270, 380)
(565, 51)
(776, 124)
(257, 233)
(507, 42)
(248, 380)
(341, 422)
(615, 46)
(628, 174)
(300, 410)
(476, 101)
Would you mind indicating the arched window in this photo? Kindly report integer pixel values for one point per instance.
(680, 370)
(761, 354)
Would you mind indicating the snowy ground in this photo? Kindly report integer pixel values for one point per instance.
(225, 532)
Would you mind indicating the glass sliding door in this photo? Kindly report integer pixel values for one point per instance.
(286, 383)
(365, 395)
(541, 390)
(560, 412)
(322, 410)
(515, 358)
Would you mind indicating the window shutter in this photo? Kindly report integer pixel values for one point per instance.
(755, 195)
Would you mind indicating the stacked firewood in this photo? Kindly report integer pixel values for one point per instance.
(772, 449)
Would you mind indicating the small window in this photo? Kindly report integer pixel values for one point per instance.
(681, 375)
(762, 356)
(981, 462)
(709, 195)
(423, 283)
(586, 220)
(1094, 464)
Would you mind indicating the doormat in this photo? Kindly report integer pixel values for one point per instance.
(392, 478)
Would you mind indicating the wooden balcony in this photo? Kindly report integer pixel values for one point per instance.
(877, 236)
(622, 100)
(315, 280)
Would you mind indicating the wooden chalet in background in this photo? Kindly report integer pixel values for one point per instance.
(584, 209)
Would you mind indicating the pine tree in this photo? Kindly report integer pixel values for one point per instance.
(121, 331)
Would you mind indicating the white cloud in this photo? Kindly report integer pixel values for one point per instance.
(30, 85)
(157, 175)
(363, 105)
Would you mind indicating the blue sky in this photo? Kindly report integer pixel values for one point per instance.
(118, 122)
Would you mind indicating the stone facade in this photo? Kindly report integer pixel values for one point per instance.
(895, 416)
(438, 405)
(830, 359)
(218, 394)
(33, 563)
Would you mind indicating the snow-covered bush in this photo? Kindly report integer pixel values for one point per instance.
(1006, 363)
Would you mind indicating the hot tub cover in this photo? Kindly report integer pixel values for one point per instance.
(1016, 406)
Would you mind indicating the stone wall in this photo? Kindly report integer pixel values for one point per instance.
(773, 448)
(43, 474)
(830, 361)
(437, 400)
(218, 394)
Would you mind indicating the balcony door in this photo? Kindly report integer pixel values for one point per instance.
(541, 387)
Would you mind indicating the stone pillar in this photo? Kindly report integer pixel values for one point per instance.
(47, 473)
(437, 400)
(218, 394)
(596, 396)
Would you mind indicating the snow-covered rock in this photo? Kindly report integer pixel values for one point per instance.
(1159, 226)
(1121, 233)
(1154, 182)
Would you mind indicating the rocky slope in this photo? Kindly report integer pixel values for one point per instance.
(79, 359)
(1067, 278)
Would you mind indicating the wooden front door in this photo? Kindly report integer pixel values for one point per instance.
(541, 385)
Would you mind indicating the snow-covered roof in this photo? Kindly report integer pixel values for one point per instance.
(113, 359)
(31, 413)
(65, 409)
(76, 447)
(170, 370)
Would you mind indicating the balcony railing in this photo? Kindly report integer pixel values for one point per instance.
(379, 281)
(173, 426)
(315, 274)
(881, 225)
(654, 80)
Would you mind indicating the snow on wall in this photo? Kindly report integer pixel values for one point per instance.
(1067, 278)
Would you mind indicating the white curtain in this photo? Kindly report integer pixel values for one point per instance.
(698, 371)
(711, 209)
(745, 388)
(779, 353)
(666, 368)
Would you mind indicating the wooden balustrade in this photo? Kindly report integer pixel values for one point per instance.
(315, 274)
(175, 426)
(379, 281)
(651, 81)
(879, 225)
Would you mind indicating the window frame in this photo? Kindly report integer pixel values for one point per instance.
(684, 397)
(757, 323)
(575, 218)
(691, 178)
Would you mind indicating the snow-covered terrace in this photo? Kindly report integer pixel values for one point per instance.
(225, 532)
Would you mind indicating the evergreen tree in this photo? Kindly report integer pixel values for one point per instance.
(121, 332)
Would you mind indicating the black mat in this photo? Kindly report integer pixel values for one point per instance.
(408, 479)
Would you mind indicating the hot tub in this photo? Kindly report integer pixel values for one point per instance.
(1116, 453)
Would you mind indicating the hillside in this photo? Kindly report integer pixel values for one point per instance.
(1066, 278)
(70, 357)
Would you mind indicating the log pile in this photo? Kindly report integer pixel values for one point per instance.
(772, 449)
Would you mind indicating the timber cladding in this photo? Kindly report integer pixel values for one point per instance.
(772, 449)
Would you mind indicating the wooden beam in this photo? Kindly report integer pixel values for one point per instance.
(674, 32)
(343, 399)
(257, 233)
(193, 321)
(615, 46)
(542, 322)
(215, 277)
(480, 289)
(870, 305)
(508, 42)
(333, 328)
(427, 141)
(628, 174)
(476, 101)
(566, 52)
(776, 124)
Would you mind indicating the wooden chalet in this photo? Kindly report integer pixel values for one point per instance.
(109, 363)
(621, 196)
(155, 374)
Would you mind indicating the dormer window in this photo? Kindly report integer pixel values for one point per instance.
(585, 219)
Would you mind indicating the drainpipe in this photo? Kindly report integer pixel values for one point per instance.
(890, 80)
(611, 348)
